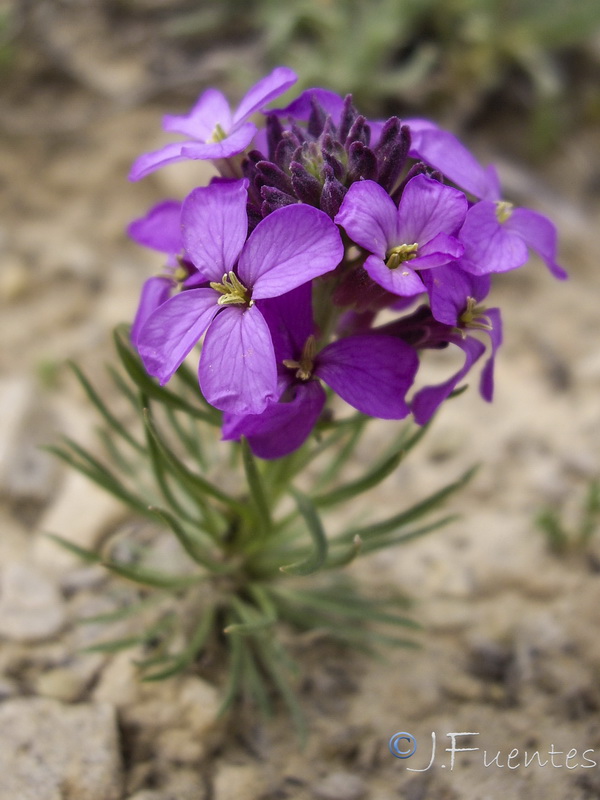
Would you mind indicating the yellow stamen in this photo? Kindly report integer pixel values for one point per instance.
(305, 366)
(474, 316)
(398, 255)
(218, 134)
(231, 291)
(504, 210)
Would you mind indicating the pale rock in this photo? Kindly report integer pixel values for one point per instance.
(233, 781)
(69, 683)
(49, 751)
(31, 607)
(187, 701)
(82, 513)
(180, 746)
(341, 786)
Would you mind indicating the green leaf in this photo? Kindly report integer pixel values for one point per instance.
(257, 488)
(151, 577)
(313, 522)
(187, 656)
(196, 486)
(97, 473)
(194, 545)
(411, 514)
(108, 416)
(382, 542)
(80, 552)
(135, 370)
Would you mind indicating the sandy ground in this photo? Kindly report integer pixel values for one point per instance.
(510, 651)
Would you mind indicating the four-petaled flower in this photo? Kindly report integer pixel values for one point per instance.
(290, 247)
(496, 235)
(419, 234)
(213, 131)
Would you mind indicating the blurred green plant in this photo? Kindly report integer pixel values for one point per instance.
(447, 58)
(562, 537)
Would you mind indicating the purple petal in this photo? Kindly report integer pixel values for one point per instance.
(290, 321)
(448, 288)
(214, 225)
(301, 108)
(290, 247)
(445, 152)
(263, 92)
(211, 109)
(372, 373)
(237, 366)
(403, 280)
(155, 292)
(538, 233)
(234, 143)
(427, 208)
(486, 383)
(149, 162)
(490, 246)
(173, 329)
(160, 229)
(368, 215)
(437, 252)
(283, 426)
(426, 402)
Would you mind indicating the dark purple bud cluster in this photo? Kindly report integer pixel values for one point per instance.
(316, 164)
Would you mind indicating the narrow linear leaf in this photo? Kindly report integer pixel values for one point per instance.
(367, 611)
(151, 577)
(381, 543)
(195, 484)
(193, 546)
(354, 488)
(121, 613)
(274, 666)
(140, 377)
(313, 522)
(255, 683)
(109, 417)
(80, 552)
(411, 514)
(253, 621)
(257, 488)
(234, 679)
(346, 556)
(97, 473)
(187, 656)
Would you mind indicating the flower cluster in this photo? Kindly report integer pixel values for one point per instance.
(320, 221)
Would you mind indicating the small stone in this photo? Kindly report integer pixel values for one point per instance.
(179, 746)
(341, 786)
(233, 781)
(49, 751)
(31, 607)
(68, 683)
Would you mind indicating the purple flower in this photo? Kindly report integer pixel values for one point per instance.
(160, 229)
(371, 373)
(496, 235)
(212, 129)
(237, 370)
(419, 234)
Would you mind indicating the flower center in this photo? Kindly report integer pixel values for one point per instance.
(474, 316)
(218, 134)
(231, 291)
(304, 367)
(398, 255)
(504, 210)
